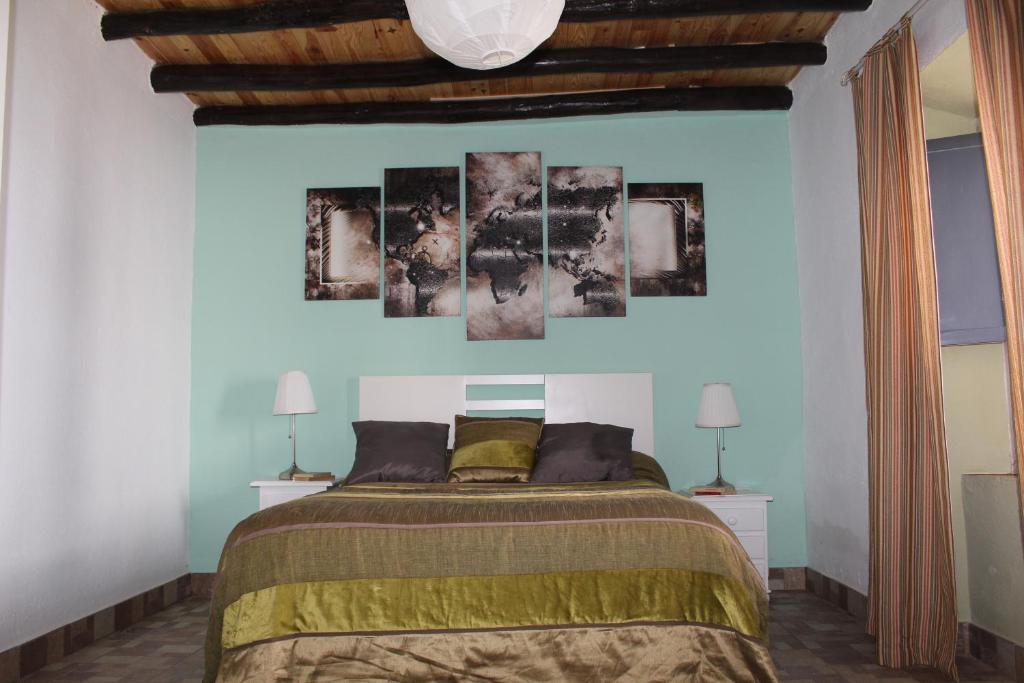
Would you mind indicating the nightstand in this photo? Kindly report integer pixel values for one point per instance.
(277, 491)
(746, 513)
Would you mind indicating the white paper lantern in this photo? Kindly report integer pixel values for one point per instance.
(484, 34)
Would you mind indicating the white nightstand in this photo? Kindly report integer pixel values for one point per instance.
(276, 491)
(746, 513)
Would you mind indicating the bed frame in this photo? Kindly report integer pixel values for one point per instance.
(624, 399)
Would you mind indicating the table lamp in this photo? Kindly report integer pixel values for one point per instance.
(717, 411)
(294, 397)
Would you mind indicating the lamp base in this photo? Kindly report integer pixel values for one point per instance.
(290, 473)
(718, 486)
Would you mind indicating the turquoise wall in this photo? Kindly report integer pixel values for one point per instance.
(250, 321)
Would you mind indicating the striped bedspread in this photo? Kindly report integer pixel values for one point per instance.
(477, 582)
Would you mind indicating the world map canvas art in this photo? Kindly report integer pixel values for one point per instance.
(343, 243)
(505, 246)
(586, 242)
(422, 255)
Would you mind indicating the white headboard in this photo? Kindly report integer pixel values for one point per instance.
(624, 399)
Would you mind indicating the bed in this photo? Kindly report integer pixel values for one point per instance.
(491, 582)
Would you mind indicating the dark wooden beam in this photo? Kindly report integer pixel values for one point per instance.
(284, 14)
(249, 77)
(539, 107)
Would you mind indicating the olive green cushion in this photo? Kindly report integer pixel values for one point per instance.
(494, 449)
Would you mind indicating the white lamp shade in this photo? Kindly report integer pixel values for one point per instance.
(717, 407)
(294, 395)
(484, 34)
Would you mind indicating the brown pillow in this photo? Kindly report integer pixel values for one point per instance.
(583, 451)
(399, 451)
(489, 449)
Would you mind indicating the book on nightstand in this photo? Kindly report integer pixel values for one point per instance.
(712, 490)
(313, 476)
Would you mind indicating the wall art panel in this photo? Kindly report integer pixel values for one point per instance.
(666, 239)
(422, 255)
(586, 242)
(505, 246)
(343, 243)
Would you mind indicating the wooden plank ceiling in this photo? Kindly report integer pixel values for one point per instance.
(392, 40)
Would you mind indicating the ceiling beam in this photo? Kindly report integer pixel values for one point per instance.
(272, 15)
(270, 77)
(501, 109)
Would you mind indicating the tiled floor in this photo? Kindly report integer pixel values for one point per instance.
(812, 642)
(165, 648)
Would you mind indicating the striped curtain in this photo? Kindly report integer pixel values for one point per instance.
(996, 28)
(912, 604)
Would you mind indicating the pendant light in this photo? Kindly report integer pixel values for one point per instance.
(484, 34)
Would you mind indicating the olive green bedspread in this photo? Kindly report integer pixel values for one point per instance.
(477, 582)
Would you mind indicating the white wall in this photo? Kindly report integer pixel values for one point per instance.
(94, 374)
(995, 554)
(5, 31)
(824, 155)
(5, 28)
(976, 399)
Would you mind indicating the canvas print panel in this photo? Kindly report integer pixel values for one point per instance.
(422, 269)
(666, 239)
(505, 246)
(343, 243)
(586, 242)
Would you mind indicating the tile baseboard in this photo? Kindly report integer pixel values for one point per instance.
(27, 658)
(202, 584)
(1001, 654)
(851, 601)
(787, 578)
